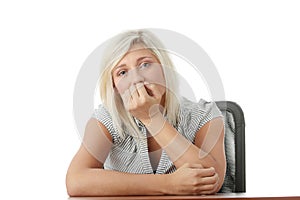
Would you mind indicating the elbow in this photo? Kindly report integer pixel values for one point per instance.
(222, 173)
(220, 184)
(72, 192)
(72, 186)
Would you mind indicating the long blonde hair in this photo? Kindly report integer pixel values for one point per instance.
(118, 46)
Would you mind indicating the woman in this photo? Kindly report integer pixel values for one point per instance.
(145, 139)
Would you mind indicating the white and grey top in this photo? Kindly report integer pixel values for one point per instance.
(131, 156)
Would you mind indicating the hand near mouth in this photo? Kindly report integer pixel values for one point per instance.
(140, 99)
(148, 89)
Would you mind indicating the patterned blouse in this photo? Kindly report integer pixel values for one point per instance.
(131, 156)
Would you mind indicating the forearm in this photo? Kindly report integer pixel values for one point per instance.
(193, 155)
(100, 182)
(179, 149)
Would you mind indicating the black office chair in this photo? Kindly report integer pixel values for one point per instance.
(235, 180)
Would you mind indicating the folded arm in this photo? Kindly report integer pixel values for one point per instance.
(86, 176)
(207, 150)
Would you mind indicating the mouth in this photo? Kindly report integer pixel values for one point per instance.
(148, 91)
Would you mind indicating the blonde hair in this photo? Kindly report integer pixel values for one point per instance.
(117, 48)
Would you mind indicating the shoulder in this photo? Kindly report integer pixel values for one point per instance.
(194, 115)
(200, 108)
(104, 117)
(101, 113)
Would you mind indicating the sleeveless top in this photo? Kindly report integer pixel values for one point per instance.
(131, 156)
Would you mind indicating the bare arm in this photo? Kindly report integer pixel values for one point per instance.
(86, 176)
(208, 150)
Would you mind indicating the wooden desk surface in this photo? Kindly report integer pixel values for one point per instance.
(227, 196)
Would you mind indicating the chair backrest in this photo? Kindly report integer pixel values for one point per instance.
(235, 180)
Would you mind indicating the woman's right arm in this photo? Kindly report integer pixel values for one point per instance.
(86, 176)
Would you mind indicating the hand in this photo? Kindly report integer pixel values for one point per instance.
(193, 179)
(142, 100)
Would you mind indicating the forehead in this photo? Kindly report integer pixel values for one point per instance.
(135, 53)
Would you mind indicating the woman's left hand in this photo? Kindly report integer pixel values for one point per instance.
(142, 100)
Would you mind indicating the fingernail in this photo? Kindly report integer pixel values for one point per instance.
(146, 83)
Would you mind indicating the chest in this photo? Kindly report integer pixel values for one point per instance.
(152, 145)
(154, 151)
(144, 156)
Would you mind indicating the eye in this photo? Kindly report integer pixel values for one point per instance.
(121, 73)
(144, 64)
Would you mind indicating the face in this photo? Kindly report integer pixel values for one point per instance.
(138, 65)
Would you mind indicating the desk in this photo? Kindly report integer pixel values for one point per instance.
(227, 196)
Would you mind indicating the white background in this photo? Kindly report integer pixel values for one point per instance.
(255, 46)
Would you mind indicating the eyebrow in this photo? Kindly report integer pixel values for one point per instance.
(138, 60)
(141, 58)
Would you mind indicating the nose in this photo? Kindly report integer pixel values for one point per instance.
(136, 77)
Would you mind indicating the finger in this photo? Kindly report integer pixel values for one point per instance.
(206, 189)
(149, 92)
(152, 89)
(217, 186)
(141, 89)
(193, 165)
(206, 172)
(209, 180)
(133, 92)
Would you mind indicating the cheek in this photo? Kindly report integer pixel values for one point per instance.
(156, 76)
(122, 85)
